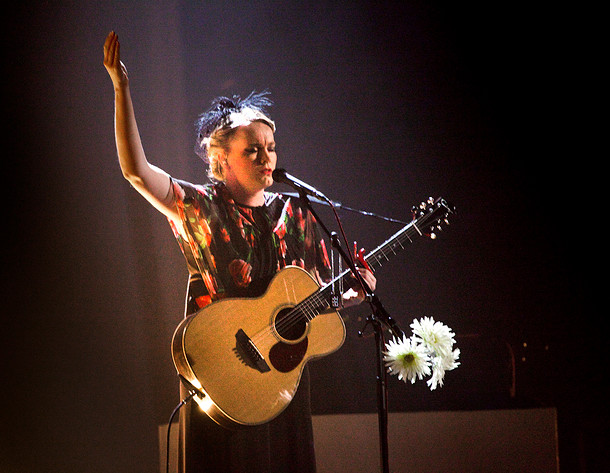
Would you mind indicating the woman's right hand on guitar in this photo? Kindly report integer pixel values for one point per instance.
(112, 61)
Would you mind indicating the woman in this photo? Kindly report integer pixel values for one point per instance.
(235, 237)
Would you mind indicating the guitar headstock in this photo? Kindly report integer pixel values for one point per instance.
(431, 215)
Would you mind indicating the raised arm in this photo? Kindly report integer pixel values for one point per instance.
(150, 181)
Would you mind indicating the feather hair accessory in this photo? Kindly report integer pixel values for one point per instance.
(230, 113)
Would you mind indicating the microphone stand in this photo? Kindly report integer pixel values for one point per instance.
(378, 319)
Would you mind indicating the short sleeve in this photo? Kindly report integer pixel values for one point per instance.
(193, 233)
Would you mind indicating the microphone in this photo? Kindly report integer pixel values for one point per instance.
(280, 175)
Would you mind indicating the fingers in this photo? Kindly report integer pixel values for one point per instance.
(112, 50)
(368, 277)
(356, 295)
(112, 60)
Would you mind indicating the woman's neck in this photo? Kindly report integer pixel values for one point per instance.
(245, 197)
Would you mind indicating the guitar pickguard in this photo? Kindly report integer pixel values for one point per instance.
(286, 357)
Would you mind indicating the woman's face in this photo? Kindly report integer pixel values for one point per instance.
(251, 159)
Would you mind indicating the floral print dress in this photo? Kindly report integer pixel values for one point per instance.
(233, 250)
(236, 249)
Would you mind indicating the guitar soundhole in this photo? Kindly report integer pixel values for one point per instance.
(290, 326)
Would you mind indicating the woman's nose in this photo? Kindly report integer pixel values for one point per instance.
(264, 156)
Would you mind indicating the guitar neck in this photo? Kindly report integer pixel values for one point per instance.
(321, 299)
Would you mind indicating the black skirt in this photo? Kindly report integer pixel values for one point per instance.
(283, 445)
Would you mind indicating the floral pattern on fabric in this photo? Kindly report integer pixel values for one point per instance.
(240, 272)
(237, 249)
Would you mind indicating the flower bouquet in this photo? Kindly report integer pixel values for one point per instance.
(428, 351)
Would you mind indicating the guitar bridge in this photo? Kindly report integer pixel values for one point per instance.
(248, 353)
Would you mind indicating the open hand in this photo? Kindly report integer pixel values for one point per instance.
(112, 61)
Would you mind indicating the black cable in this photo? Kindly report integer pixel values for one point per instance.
(334, 204)
(169, 426)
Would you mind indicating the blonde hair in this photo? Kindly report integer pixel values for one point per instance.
(218, 125)
(219, 142)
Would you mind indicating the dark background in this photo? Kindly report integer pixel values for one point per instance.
(379, 105)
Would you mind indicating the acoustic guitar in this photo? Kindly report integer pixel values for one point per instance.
(243, 357)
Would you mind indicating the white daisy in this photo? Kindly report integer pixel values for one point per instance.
(436, 335)
(407, 358)
(441, 364)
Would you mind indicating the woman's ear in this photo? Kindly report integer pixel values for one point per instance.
(223, 159)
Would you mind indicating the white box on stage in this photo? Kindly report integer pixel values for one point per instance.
(511, 440)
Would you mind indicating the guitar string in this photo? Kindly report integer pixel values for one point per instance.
(310, 305)
(308, 308)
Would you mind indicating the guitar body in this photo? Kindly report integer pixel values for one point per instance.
(246, 355)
